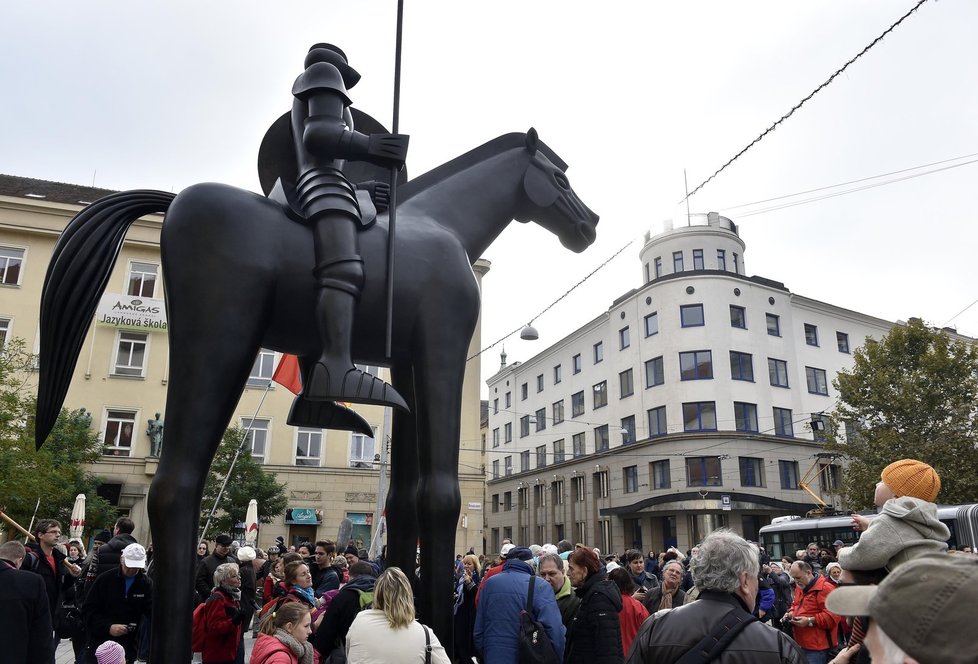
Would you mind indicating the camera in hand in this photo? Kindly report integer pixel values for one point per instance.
(131, 627)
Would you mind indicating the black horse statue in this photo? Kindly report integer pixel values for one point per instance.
(238, 277)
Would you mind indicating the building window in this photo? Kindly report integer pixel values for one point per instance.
(130, 356)
(541, 456)
(559, 451)
(789, 474)
(625, 383)
(819, 425)
(657, 421)
(660, 474)
(509, 400)
(495, 406)
(816, 381)
(745, 416)
(842, 341)
(4, 332)
(703, 471)
(524, 392)
(648, 273)
(721, 260)
(628, 424)
(540, 383)
(600, 394)
(696, 365)
(658, 266)
(654, 373)
(782, 423)
(624, 338)
(652, 324)
(495, 469)
(507, 466)
(257, 437)
(691, 315)
(697, 259)
(677, 261)
(601, 438)
(811, 334)
(11, 260)
(309, 447)
(361, 451)
(778, 371)
(773, 325)
(579, 491)
(576, 363)
(700, 416)
(630, 478)
(508, 502)
(601, 485)
(262, 369)
(524, 426)
(541, 419)
(558, 411)
(738, 317)
(741, 366)
(556, 374)
(508, 432)
(524, 461)
(142, 279)
(522, 499)
(577, 404)
(558, 490)
(119, 425)
(751, 471)
(577, 440)
(495, 437)
(495, 503)
(829, 477)
(736, 263)
(598, 352)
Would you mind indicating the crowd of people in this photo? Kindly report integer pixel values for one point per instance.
(897, 596)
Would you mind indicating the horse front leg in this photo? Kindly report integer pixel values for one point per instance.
(402, 497)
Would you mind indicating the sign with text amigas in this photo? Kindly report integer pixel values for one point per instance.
(131, 312)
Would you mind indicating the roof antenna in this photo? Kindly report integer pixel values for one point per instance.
(93, 176)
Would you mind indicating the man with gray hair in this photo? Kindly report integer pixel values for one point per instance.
(719, 625)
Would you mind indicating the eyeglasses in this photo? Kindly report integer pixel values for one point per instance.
(52, 532)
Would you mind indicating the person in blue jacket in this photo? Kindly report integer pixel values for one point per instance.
(502, 598)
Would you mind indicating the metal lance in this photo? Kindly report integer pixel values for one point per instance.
(392, 207)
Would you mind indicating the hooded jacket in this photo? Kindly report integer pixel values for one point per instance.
(595, 635)
(810, 603)
(568, 602)
(497, 618)
(906, 528)
(339, 616)
(269, 650)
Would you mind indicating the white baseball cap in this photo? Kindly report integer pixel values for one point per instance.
(134, 556)
(503, 552)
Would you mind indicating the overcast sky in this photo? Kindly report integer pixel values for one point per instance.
(162, 95)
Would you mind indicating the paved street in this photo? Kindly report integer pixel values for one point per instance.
(65, 655)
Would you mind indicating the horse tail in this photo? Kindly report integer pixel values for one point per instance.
(76, 278)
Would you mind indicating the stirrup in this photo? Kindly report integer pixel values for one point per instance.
(354, 385)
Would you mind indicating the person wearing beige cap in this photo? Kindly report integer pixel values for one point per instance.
(923, 612)
(907, 526)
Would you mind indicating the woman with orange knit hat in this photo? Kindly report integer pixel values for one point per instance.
(907, 526)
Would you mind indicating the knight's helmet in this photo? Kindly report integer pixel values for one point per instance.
(335, 56)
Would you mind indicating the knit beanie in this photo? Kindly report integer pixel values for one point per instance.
(110, 652)
(352, 550)
(909, 477)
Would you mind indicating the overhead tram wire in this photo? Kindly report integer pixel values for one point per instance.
(805, 100)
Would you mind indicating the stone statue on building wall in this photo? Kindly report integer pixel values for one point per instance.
(155, 432)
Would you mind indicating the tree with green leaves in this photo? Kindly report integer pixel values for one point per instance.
(57, 472)
(912, 394)
(248, 480)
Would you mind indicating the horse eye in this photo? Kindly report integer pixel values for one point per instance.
(561, 180)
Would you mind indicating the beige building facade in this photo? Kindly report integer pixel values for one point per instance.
(123, 369)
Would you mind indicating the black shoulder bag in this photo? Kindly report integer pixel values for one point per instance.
(427, 645)
(714, 643)
(535, 645)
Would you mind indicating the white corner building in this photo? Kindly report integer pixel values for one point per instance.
(687, 406)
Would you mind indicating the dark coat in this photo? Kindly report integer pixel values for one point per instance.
(465, 622)
(667, 636)
(340, 614)
(595, 635)
(204, 581)
(110, 553)
(654, 596)
(55, 584)
(222, 618)
(324, 578)
(25, 630)
(107, 604)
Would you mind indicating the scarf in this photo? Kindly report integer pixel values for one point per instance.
(302, 651)
(306, 593)
(667, 594)
(235, 593)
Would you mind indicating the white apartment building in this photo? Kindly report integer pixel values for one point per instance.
(687, 406)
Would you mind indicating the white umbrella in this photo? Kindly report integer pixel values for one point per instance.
(251, 523)
(77, 517)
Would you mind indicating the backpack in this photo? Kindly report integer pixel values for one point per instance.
(535, 646)
(366, 599)
(199, 633)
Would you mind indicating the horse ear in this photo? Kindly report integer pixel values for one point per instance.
(531, 141)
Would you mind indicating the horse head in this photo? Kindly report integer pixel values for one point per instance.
(550, 200)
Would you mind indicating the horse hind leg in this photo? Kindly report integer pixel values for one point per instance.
(207, 375)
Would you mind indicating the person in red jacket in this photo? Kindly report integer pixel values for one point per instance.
(813, 625)
(284, 637)
(223, 616)
(632, 613)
